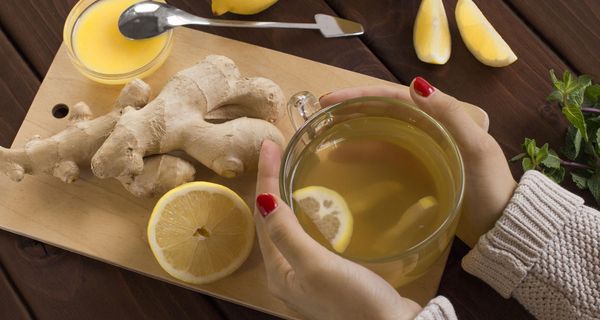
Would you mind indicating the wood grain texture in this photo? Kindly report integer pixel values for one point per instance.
(61, 285)
(137, 296)
(12, 306)
(57, 284)
(514, 96)
(346, 53)
(235, 311)
(17, 89)
(36, 27)
(99, 219)
(569, 27)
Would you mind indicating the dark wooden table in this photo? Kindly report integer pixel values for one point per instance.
(40, 281)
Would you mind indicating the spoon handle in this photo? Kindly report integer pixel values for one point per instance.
(184, 18)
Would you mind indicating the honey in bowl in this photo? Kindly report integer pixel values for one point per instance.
(99, 49)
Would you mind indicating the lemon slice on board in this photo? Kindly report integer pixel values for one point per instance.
(431, 35)
(480, 37)
(329, 212)
(201, 232)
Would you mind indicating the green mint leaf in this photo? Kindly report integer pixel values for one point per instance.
(529, 146)
(555, 82)
(569, 84)
(592, 96)
(580, 180)
(518, 157)
(584, 81)
(575, 117)
(589, 150)
(572, 143)
(575, 90)
(593, 124)
(566, 78)
(557, 175)
(593, 183)
(575, 98)
(555, 96)
(552, 161)
(542, 154)
(598, 141)
(527, 164)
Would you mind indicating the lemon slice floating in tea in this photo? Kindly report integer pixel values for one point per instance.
(201, 232)
(480, 37)
(329, 212)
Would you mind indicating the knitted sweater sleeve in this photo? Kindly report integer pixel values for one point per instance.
(544, 251)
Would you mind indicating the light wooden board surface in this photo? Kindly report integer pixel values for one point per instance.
(99, 219)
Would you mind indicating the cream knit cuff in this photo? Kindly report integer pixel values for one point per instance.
(438, 308)
(536, 213)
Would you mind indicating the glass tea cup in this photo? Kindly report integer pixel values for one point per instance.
(370, 120)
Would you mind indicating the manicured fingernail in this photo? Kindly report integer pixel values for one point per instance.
(325, 95)
(266, 204)
(422, 87)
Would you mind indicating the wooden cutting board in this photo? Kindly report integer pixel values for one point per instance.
(99, 219)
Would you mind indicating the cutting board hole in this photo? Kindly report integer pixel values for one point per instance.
(60, 111)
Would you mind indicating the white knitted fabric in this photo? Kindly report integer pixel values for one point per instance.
(437, 308)
(544, 251)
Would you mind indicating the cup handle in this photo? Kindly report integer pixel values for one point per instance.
(301, 106)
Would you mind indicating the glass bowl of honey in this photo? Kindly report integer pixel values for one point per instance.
(100, 52)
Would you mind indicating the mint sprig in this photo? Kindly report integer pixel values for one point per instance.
(579, 100)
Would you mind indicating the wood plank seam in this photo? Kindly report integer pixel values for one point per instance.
(8, 279)
(19, 51)
(542, 37)
(216, 306)
(361, 39)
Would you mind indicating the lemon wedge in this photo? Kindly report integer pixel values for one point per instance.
(201, 232)
(480, 37)
(245, 7)
(431, 35)
(329, 212)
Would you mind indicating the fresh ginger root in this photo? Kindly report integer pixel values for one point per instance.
(161, 174)
(63, 154)
(131, 142)
(177, 120)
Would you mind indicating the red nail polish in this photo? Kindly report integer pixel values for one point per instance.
(422, 87)
(266, 204)
(325, 95)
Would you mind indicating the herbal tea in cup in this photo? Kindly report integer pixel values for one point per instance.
(377, 181)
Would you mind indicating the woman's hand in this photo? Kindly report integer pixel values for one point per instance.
(307, 277)
(489, 183)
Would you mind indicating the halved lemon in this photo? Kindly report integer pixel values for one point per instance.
(480, 37)
(201, 232)
(329, 212)
(431, 34)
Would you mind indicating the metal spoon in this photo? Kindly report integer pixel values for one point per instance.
(148, 19)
